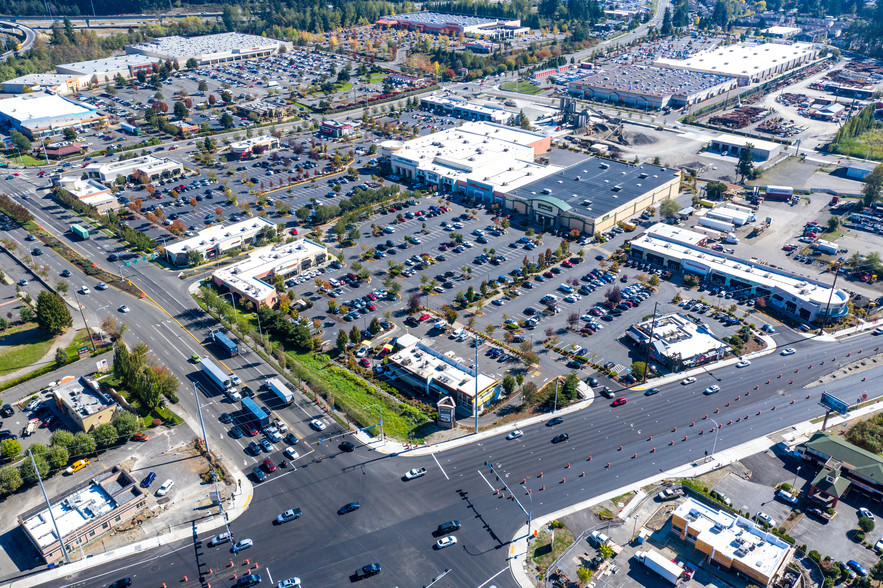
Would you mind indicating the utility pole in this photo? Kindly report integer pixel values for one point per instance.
(555, 407)
(67, 557)
(830, 295)
(83, 314)
(214, 475)
(475, 401)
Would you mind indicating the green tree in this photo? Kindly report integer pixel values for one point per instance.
(52, 313)
(745, 165)
(605, 551)
(180, 110)
(105, 435)
(715, 190)
(509, 384)
(69, 134)
(569, 390)
(125, 423)
(639, 370)
(528, 393)
(866, 524)
(226, 120)
(9, 449)
(20, 141)
(57, 457)
(374, 326)
(668, 208)
(192, 64)
(26, 314)
(61, 357)
(450, 315)
(584, 574)
(355, 335)
(872, 191)
(27, 469)
(667, 28)
(342, 341)
(10, 480)
(232, 17)
(82, 445)
(62, 438)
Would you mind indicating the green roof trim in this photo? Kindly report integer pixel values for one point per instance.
(553, 201)
(835, 488)
(860, 461)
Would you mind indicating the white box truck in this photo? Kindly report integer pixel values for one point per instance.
(216, 374)
(280, 390)
(659, 564)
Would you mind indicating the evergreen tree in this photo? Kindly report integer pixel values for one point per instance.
(52, 313)
(667, 28)
(745, 166)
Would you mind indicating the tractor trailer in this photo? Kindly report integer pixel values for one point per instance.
(280, 390)
(225, 342)
(80, 232)
(216, 374)
(659, 564)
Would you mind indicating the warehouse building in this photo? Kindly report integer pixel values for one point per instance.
(83, 514)
(479, 159)
(252, 279)
(47, 115)
(213, 241)
(209, 49)
(651, 87)
(731, 542)
(461, 108)
(677, 342)
(150, 166)
(83, 402)
(593, 195)
(105, 71)
(440, 375)
(799, 297)
(55, 83)
(732, 145)
(246, 146)
(455, 24)
(747, 62)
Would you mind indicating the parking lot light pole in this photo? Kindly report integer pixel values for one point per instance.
(475, 400)
(830, 295)
(233, 299)
(555, 407)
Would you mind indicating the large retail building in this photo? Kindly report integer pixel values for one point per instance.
(46, 115)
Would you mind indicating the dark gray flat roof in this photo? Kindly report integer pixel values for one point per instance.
(606, 184)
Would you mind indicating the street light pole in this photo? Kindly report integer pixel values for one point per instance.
(475, 400)
(214, 475)
(831, 295)
(233, 299)
(67, 557)
(529, 510)
(83, 315)
(716, 429)
(555, 407)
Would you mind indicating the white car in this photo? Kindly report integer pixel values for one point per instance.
(291, 454)
(743, 363)
(101, 286)
(124, 308)
(712, 389)
(164, 489)
(362, 352)
(878, 331)
(235, 379)
(879, 544)
(788, 351)
(415, 473)
(289, 583)
(445, 542)
(687, 381)
(84, 290)
(317, 424)
(514, 434)
(764, 517)
(863, 512)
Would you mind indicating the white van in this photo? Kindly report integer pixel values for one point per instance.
(458, 333)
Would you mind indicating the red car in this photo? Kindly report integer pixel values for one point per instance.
(566, 263)
(41, 173)
(364, 363)
(624, 278)
(269, 465)
(596, 312)
(587, 330)
(250, 430)
(371, 296)
(370, 307)
(619, 401)
(549, 275)
(294, 231)
(424, 317)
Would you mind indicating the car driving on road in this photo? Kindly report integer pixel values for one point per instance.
(713, 389)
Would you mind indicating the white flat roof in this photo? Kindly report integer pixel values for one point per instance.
(426, 363)
(74, 511)
(40, 79)
(676, 335)
(242, 276)
(696, 258)
(252, 141)
(777, 30)
(741, 141)
(41, 106)
(205, 45)
(147, 163)
(741, 59)
(678, 234)
(108, 64)
(212, 235)
(735, 538)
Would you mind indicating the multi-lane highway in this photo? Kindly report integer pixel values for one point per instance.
(395, 523)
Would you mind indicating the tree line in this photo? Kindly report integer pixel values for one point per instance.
(143, 376)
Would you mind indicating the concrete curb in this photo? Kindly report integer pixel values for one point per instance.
(518, 547)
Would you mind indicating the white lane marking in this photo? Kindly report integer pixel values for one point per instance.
(492, 577)
(440, 467)
(485, 480)
(167, 341)
(269, 574)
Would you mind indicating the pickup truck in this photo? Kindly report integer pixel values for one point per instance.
(415, 473)
(669, 494)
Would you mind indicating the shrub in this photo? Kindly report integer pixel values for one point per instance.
(815, 556)
(557, 525)
(859, 536)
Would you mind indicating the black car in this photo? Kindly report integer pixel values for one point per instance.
(66, 274)
(291, 439)
(259, 474)
(123, 583)
(560, 438)
(37, 251)
(254, 448)
(113, 257)
(347, 447)
(7, 411)
(236, 432)
(651, 392)
(448, 527)
(555, 421)
(368, 571)
(226, 418)
(348, 507)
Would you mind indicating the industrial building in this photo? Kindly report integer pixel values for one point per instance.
(213, 241)
(246, 146)
(83, 402)
(651, 87)
(731, 542)
(747, 62)
(732, 145)
(455, 24)
(479, 159)
(105, 71)
(54, 83)
(677, 342)
(148, 166)
(593, 195)
(444, 375)
(781, 32)
(209, 49)
(83, 514)
(47, 115)
(468, 110)
(799, 297)
(252, 279)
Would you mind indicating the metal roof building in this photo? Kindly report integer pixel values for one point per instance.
(46, 115)
(454, 24)
(220, 48)
(594, 194)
